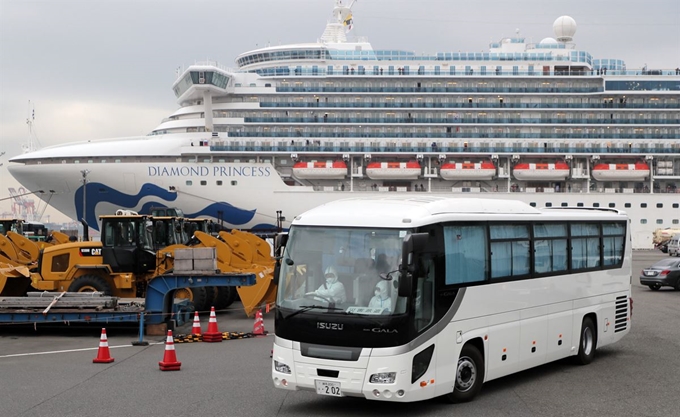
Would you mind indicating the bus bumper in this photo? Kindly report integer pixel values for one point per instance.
(292, 371)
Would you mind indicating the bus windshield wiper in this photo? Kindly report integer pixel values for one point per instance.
(304, 309)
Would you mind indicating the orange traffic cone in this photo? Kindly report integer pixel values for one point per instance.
(213, 334)
(103, 355)
(258, 326)
(169, 362)
(196, 328)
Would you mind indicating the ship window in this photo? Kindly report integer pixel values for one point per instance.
(579, 204)
(676, 205)
(219, 182)
(548, 204)
(643, 205)
(659, 205)
(627, 205)
(189, 182)
(596, 204)
(532, 204)
(643, 221)
(103, 161)
(612, 205)
(204, 182)
(89, 161)
(565, 204)
(117, 161)
(659, 221)
(234, 182)
(675, 221)
(76, 161)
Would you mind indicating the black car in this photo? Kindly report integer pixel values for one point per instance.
(666, 272)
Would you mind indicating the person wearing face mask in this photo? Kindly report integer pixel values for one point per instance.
(381, 298)
(332, 289)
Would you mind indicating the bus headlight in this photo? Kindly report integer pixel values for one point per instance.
(383, 378)
(281, 367)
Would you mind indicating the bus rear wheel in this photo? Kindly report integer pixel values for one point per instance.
(588, 343)
(469, 375)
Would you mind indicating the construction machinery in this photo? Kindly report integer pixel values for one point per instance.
(136, 248)
(19, 253)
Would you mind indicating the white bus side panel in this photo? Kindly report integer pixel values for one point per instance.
(533, 335)
(560, 331)
(504, 346)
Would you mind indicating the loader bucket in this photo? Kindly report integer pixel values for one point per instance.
(262, 254)
(14, 280)
(242, 251)
(222, 252)
(263, 292)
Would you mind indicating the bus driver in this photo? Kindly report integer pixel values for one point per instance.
(331, 289)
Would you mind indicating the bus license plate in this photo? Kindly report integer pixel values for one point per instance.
(328, 388)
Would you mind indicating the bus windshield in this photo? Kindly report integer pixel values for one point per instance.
(353, 270)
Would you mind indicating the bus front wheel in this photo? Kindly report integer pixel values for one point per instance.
(469, 375)
(587, 343)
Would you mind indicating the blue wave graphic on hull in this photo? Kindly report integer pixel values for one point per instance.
(100, 193)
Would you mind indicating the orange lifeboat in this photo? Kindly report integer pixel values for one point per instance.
(621, 172)
(393, 170)
(541, 171)
(468, 171)
(329, 170)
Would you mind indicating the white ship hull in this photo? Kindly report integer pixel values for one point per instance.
(255, 199)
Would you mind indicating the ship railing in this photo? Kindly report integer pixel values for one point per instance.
(477, 71)
(495, 186)
(462, 149)
(463, 121)
(216, 65)
(467, 105)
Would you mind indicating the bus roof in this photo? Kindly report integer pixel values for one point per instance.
(407, 212)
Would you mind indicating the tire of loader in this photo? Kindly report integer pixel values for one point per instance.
(225, 297)
(210, 294)
(199, 297)
(91, 283)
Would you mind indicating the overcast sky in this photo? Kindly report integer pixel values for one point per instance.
(99, 69)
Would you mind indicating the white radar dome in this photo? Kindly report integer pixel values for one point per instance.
(548, 41)
(564, 28)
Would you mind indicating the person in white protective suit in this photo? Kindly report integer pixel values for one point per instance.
(332, 289)
(381, 297)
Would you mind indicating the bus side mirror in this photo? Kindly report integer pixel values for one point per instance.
(280, 242)
(413, 244)
(277, 271)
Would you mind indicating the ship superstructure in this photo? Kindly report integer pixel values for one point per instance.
(298, 125)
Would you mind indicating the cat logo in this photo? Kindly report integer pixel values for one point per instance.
(90, 251)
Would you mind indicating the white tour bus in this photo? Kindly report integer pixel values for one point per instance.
(486, 288)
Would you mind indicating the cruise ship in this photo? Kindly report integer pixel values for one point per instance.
(294, 126)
